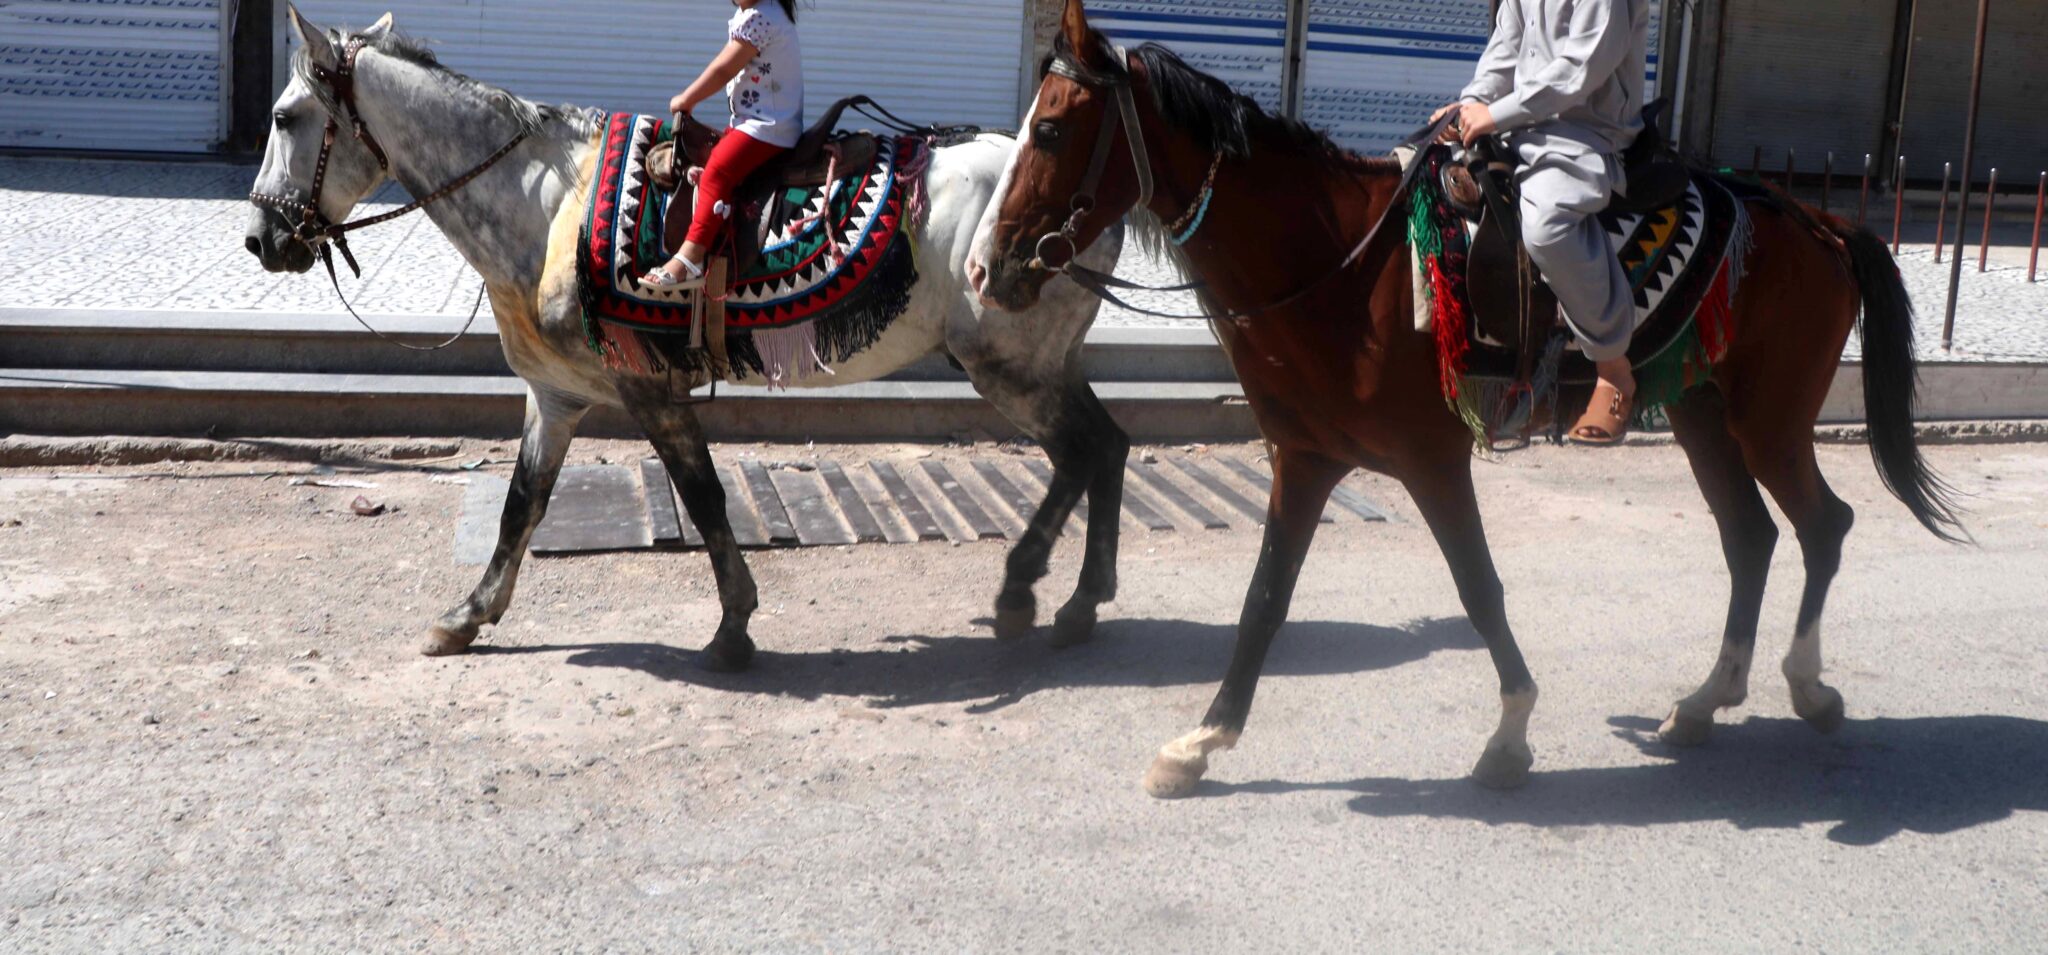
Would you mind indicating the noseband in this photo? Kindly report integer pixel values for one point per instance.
(1126, 112)
(313, 227)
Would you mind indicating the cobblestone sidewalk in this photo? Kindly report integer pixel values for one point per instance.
(128, 235)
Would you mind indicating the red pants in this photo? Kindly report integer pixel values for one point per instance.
(735, 157)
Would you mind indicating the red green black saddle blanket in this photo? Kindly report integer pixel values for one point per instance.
(1684, 262)
(836, 267)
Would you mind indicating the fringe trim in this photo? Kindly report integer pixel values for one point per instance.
(1690, 359)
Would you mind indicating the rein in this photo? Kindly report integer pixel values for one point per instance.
(326, 236)
(1102, 284)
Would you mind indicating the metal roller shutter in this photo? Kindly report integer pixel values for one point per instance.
(1242, 42)
(1377, 68)
(952, 62)
(1805, 76)
(2011, 134)
(139, 75)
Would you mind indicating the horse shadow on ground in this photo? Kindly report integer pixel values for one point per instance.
(1872, 780)
(989, 674)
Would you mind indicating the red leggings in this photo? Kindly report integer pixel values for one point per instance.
(735, 157)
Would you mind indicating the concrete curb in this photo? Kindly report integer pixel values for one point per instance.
(30, 451)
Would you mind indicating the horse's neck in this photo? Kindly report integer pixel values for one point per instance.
(434, 132)
(1265, 243)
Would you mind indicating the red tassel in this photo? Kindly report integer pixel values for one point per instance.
(1716, 315)
(1448, 319)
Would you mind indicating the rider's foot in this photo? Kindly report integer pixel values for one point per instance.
(675, 275)
(1606, 419)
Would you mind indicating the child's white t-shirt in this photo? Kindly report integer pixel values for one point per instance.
(767, 98)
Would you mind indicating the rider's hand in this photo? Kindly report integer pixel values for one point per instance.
(1449, 135)
(677, 104)
(1475, 120)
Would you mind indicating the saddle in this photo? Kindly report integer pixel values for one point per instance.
(820, 156)
(1511, 305)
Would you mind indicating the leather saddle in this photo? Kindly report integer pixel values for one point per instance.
(821, 154)
(1511, 305)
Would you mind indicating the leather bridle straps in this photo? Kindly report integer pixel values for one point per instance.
(1126, 112)
(313, 227)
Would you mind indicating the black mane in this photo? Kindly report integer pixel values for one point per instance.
(1217, 117)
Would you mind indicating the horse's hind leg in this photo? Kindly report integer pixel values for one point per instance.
(1446, 500)
(1785, 465)
(1748, 536)
(678, 438)
(550, 425)
(1109, 447)
(1301, 485)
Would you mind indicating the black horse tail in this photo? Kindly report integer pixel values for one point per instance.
(1889, 382)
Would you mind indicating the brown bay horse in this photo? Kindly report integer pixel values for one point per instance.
(1339, 378)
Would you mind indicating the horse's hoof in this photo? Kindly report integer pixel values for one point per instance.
(446, 641)
(1171, 778)
(1015, 616)
(1074, 624)
(727, 656)
(1682, 730)
(1821, 708)
(1502, 768)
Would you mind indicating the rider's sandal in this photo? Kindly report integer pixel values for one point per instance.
(660, 280)
(1605, 422)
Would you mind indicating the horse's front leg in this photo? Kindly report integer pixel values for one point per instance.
(551, 421)
(678, 437)
(1301, 485)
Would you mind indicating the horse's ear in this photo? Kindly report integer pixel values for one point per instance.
(381, 28)
(1074, 27)
(314, 39)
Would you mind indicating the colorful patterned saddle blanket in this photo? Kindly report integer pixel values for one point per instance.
(836, 267)
(1684, 261)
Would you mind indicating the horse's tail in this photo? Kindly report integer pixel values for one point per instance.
(1889, 382)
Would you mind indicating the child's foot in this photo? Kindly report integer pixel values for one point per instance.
(675, 275)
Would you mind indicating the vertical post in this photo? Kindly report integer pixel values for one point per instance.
(1902, 48)
(2034, 250)
(1990, 199)
(1756, 162)
(1898, 201)
(1295, 63)
(1863, 193)
(1941, 214)
(1955, 266)
(1791, 161)
(1827, 178)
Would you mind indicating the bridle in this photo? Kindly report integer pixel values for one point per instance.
(1118, 83)
(325, 236)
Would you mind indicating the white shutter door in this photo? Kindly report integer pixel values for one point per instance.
(1803, 76)
(1241, 42)
(954, 62)
(139, 75)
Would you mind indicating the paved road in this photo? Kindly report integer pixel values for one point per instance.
(169, 235)
(216, 736)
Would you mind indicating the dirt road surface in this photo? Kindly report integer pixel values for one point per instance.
(215, 735)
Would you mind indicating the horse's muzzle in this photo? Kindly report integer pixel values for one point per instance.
(1009, 282)
(270, 239)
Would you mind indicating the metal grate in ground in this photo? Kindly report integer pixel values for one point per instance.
(812, 503)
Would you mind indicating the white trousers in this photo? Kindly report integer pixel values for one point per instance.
(1564, 185)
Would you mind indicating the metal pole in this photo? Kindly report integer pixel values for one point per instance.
(1990, 198)
(1906, 81)
(1827, 178)
(1955, 266)
(1863, 194)
(1898, 201)
(2034, 252)
(1756, 163)
(1791, 160)
(1941, 213)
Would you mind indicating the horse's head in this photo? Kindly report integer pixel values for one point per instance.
(1075, 173)
(319, 163)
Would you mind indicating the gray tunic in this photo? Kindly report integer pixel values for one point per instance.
(1564, 80)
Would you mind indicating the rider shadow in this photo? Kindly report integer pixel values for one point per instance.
(1874, 779)
(988, 674)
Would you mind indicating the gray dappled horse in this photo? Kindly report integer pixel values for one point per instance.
(517, 223)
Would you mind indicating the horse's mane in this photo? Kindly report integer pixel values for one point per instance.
(531, 117)
(1219, 118)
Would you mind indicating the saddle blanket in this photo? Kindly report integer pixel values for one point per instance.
(836, 268)
(1684, 262)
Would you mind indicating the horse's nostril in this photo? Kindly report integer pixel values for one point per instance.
(253, 244)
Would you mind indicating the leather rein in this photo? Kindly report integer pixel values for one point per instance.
(1102, 284)
(325, 236)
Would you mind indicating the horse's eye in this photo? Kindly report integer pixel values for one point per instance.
(281, 119)
(1046, 136)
